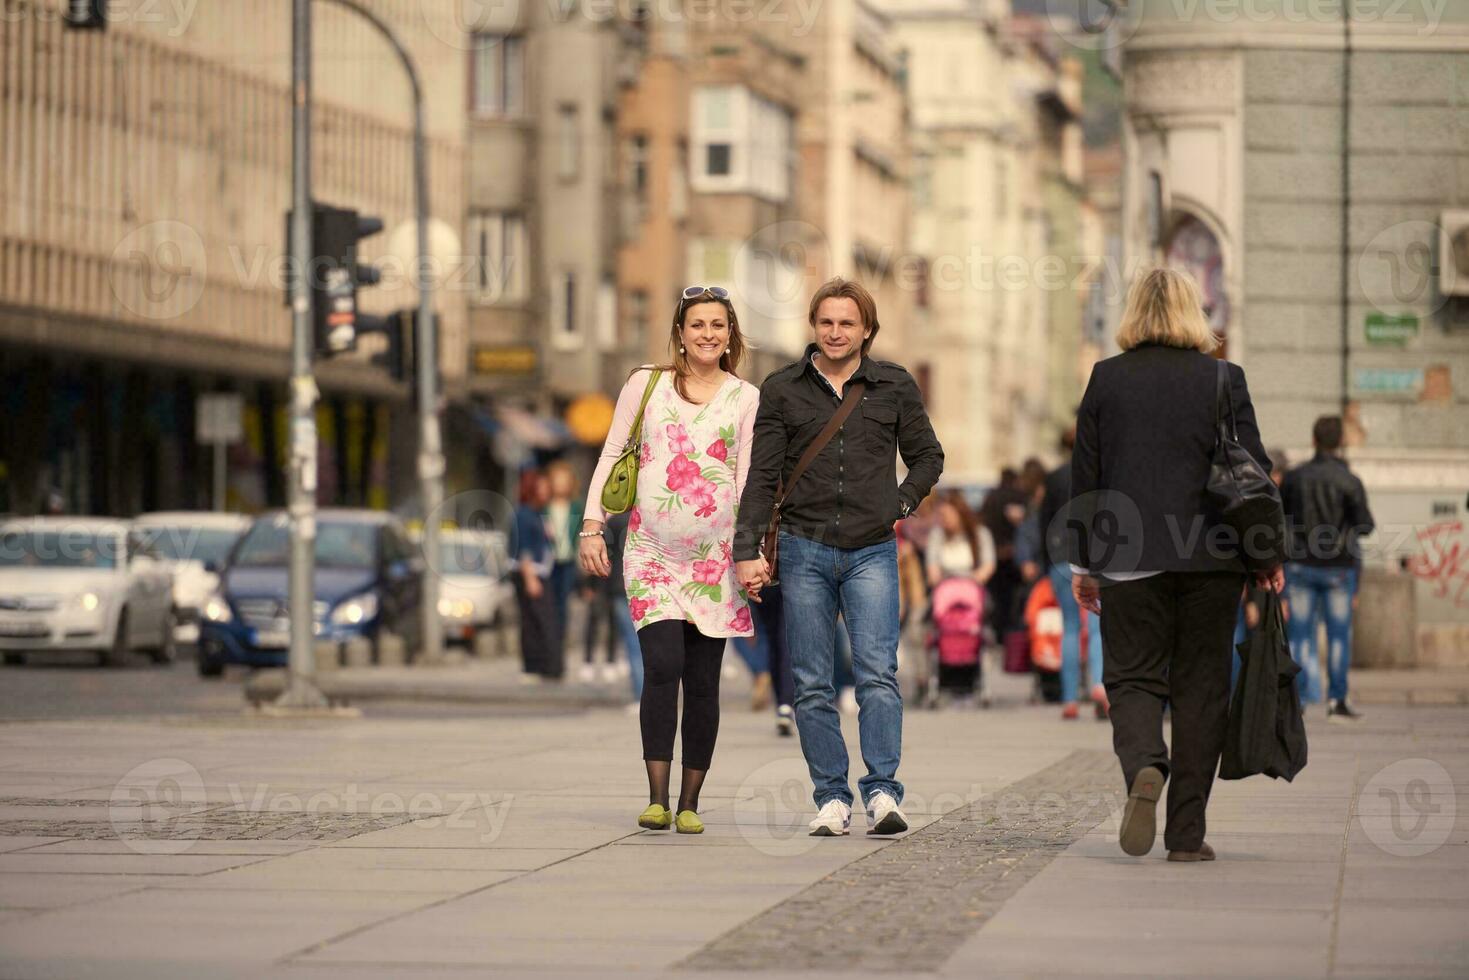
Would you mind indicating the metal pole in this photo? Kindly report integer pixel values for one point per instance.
(219, 476)
(301, 692)
(426, 355)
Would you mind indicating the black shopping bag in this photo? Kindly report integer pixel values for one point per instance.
(1267, 731)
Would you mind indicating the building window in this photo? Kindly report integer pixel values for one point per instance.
(742, 143)
(499, 252)
(565, 331)
(568, 142)
(497, 75)
(635, 324)
(637, 168)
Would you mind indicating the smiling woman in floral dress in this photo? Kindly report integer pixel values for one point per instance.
(681, 589)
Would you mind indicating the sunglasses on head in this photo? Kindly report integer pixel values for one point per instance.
(718, 292)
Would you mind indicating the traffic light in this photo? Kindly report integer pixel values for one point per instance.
(86, 15)
(396, 357)
(334, 274)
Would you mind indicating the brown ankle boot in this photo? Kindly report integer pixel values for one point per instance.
(1204, 853)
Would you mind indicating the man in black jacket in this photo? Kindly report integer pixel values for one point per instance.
(838, 551)
(1326, 513)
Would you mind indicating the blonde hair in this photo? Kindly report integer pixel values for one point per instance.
(1164, 306)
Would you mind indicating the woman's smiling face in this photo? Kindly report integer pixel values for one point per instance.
(705, 334)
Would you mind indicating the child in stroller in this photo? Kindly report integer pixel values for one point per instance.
(956, 637)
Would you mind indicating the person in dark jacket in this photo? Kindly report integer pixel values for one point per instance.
(1326, 513)
(1154, 560)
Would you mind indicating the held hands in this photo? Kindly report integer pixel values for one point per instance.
(1088, 593)
(592, 551)
(752, 575)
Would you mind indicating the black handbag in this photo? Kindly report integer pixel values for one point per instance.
(1240, 489)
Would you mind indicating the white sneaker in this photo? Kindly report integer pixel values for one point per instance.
(609, 673)
(785, 721)
(587, 674)
(833, 820)
(884, 815)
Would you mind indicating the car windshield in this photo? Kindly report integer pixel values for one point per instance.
(181, 542)
(338, 544)
(466, 558)
(58, 549)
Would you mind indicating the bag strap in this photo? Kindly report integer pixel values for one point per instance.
(635, 434)
(855, 390)
(1224, 400)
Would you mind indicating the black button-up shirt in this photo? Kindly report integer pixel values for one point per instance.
(849, 497)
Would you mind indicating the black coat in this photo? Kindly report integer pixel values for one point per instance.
(1267, 733)
(1145, 437)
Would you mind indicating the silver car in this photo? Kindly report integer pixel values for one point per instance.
(474, 586)
(69, 583)
(193, 545)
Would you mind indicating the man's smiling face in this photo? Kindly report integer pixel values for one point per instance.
(839, 329)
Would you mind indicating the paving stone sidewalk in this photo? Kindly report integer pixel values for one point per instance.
(506, 846)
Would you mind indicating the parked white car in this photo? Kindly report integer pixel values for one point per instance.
(193, 545)
(474, 584)
(78, 583)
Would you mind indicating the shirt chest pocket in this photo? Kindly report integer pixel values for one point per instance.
(879, 424)
(802, 425)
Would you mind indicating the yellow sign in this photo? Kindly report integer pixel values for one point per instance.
(589, 418)
(504, 360)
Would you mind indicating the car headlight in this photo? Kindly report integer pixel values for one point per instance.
(451, 608)
(88, 601)
(358, 609)
(216, 610)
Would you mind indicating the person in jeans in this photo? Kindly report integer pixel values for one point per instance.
(697, 431)
(1326, 512)
(1057, 492)
(1150, 559)
(838, 553)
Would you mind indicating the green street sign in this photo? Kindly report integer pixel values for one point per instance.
(1391, 328)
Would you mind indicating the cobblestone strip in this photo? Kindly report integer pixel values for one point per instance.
(909, 906)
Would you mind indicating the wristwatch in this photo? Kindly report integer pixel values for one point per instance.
(903, 509)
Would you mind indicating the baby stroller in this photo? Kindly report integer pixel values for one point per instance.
(955, 640)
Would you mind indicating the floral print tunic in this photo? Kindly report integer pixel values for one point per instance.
(692, 470)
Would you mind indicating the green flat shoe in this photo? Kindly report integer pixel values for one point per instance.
(688, 822)
(656, 817)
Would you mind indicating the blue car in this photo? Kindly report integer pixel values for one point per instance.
(368, 582)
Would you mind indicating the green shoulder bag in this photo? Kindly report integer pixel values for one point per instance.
(620, 491)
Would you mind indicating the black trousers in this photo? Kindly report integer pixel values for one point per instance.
(1169, 641)
(674, 652)
(540, 631)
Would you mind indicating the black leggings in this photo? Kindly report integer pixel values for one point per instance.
(674, 651)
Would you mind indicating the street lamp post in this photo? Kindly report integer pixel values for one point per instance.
(426, 356)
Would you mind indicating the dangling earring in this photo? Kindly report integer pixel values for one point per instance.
(681, 350)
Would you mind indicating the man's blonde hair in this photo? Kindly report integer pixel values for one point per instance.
(1164, 306)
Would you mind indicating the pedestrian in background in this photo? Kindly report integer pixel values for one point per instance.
(540, 627)
(1326, 513)
(697, 430)
(562, 515)
(767, 652)
(1167, 604)
(959, 547)
(616, 597)
(1057, 490)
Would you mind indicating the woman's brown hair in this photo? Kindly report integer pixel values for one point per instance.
(679, 361)
(968, 524)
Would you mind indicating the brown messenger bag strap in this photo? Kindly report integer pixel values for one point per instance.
(849, 402)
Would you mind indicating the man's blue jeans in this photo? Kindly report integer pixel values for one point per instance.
(1319, 593)
(818, 582)
(1071, 638)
